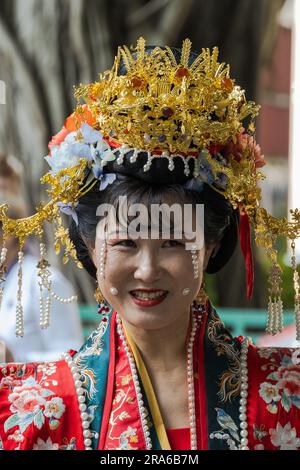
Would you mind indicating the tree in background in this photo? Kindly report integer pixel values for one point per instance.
(46, 47)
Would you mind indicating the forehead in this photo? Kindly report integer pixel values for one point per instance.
(152, 221)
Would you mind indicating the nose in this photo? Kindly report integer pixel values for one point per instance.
(148, 269)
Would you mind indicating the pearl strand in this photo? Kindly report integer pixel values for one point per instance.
(45, 282)
(85, 423)
(137, 387)
(190, 379)
(244, 395)
(102, 259)
(195, 262)
(2, 272)
(19, 307)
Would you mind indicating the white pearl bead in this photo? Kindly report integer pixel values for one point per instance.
(87, 442)
(114, 291)
(86, 433)
(85, 424)
(186, 291)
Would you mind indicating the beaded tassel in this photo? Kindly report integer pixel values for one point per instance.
(2, 272)
(43, 274)
(45, 282)
(297, 294)
(275, 305)
(19, 308)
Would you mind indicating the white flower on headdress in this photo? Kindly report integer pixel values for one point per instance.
(102, 152)
(83, 143)
(61, 158)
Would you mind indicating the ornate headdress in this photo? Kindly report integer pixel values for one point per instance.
(164, 112)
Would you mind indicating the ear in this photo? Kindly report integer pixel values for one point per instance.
(210, 252)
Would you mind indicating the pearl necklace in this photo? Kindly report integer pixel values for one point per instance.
(190, 379)
(85, 423)
(244, 395)
(191, 397)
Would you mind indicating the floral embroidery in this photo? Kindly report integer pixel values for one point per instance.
(283, 384)
(126, 438)
(30, 404)
(285, 437)
(47, 368)
(45, 445)
(54, 408)
(12, 376)
(259, 447)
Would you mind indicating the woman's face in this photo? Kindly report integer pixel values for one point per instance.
(150, 276)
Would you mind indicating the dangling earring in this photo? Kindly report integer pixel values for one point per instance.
(199, 302)
(296, 289)
(201, 296)
(103, 308)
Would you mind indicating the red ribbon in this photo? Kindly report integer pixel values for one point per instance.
(245, 240)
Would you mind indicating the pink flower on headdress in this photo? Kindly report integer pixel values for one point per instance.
(244, 141)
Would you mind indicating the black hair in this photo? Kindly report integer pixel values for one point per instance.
(217, 210)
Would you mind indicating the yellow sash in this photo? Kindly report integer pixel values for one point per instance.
(155, 412)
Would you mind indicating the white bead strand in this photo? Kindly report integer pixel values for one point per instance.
(195, 262)
(244, 395)
(19, 307)
(46, 283)
(85, 422)
(2, 272)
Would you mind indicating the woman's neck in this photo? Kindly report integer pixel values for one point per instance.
(163, 349)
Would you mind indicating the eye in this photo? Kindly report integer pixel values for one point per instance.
(173, 244)
(126, 243)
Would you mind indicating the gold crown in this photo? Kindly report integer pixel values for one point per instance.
(162, 104)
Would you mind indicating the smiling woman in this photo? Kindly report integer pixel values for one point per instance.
(163, 130)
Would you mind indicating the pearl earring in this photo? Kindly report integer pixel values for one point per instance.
(186, 291)
(114, 291)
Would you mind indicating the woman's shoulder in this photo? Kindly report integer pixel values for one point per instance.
(33, 403)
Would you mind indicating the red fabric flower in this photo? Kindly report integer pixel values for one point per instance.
(244, 141)
(72, 123)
